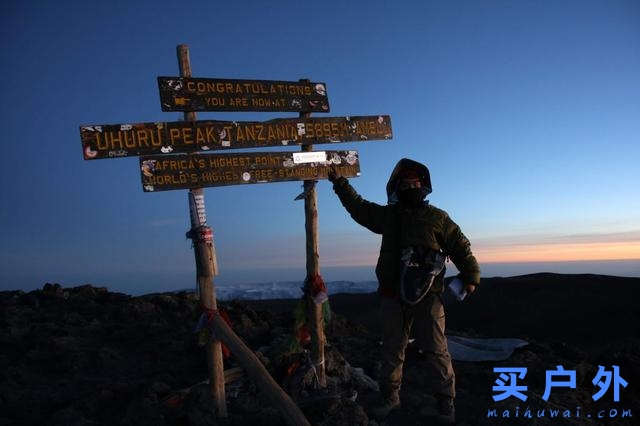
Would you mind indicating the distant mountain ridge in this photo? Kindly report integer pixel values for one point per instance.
(292, 289)
(285, 289)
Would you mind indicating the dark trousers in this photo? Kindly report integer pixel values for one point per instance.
(427, 318)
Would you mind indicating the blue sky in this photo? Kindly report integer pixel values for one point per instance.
(525, 112)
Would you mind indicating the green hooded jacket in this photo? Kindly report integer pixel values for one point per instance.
(401, 226)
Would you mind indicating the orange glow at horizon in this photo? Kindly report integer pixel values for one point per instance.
(511, 253)
(627, 250)
(354, 251)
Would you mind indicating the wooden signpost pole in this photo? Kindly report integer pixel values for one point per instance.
(315, 318)
(205, 263)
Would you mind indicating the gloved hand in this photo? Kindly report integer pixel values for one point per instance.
(470, 288)
(333, 174)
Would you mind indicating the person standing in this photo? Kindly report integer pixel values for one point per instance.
(409, 224)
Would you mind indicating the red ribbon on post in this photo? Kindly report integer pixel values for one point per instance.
(314, 285)
(201, 233)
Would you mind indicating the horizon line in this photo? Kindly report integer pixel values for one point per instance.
(489, 262)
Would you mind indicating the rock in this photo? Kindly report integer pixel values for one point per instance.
(336, 365)
(108, 358)
(362, 381)
(85, 291)
(70, 417)
(199, 406)
(143, 411)
(345, 412)
(159, 388)
(52, 290)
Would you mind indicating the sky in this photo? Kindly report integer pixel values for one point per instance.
(526, 114)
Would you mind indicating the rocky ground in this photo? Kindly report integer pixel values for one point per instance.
(87, 356)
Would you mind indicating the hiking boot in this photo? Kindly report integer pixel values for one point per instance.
(446, 410)
(385, 406)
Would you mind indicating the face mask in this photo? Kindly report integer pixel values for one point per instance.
(413, 197)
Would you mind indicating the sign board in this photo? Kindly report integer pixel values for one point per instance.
(166, 172)
(123, 140)
(212, 94)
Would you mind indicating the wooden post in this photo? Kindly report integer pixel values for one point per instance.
(205, 263)
(260, 376)
(315, 319)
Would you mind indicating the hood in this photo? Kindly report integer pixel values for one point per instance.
(404, 164)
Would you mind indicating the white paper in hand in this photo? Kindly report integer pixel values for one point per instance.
(456, 287)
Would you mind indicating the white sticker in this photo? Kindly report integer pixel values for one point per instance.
(309, 157)
(125, 127)
(246, 176)
(222, 134)
(335, 158)
(148, 187)
(301, 129)
(166, 149)
(148, 167)
(352, 158)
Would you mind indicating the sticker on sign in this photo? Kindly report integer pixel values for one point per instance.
(309, 157)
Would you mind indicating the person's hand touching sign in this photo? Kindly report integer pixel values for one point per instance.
(333, 173)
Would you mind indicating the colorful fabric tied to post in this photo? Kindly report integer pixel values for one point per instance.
(316, 287)
(205, 330)
(201, 233)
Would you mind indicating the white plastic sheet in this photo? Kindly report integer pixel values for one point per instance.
(478, 349)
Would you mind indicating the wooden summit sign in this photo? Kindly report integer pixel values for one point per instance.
(211, 94)
(163, 172)
(123, 140)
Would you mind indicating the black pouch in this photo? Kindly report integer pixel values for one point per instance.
(419, 268)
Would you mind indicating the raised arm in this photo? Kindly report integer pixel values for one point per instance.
(368, 214)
